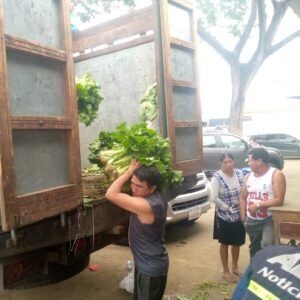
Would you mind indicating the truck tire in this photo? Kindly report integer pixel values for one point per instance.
(58, 272)
(55, 274)
(123, 241)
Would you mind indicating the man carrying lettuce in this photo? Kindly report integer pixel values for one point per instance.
(147, 225)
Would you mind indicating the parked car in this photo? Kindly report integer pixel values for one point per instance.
(191, 204)
(288, 145)
(215, 143)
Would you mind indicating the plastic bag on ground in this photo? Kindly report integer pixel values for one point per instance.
(127, 283)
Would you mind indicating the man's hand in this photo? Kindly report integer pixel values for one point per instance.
(117, 186)
(252, 208)
(133, 166)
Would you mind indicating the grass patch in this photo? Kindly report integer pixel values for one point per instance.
(207, 291)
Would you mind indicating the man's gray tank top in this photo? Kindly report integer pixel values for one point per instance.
(147, 241)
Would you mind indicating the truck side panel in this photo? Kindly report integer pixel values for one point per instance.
(39, 147)
(79, 223)
(177, 70)
(124, 77)
(124, 67)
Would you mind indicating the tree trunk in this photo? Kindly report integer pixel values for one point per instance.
(236, 114)
(240, 79)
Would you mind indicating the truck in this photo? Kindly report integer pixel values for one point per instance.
(46, 231)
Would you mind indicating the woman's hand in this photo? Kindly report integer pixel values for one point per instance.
(225, 207)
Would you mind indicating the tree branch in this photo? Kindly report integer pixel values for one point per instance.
(212, 41)
(280, 9)
(282, 43)
(262, 20)
(265, 47)
(245, 36)
(276, 3)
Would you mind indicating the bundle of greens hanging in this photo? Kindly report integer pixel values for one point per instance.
(89, 97)
(149, 104)
(114, 151)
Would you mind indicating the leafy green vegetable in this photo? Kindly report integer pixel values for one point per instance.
(105, 140)
(115, 150)
(93, 170)
(89, 97)
(149, 104)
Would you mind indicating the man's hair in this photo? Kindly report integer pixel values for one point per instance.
(259, 153)
(150, 174)
(225, 155)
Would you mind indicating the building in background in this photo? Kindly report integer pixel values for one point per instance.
(280, 117)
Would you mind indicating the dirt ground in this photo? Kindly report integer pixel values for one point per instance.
(194, 260)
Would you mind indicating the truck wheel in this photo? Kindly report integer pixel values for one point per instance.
(123, 241)
(56, 273)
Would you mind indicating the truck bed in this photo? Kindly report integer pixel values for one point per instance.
(98, 216)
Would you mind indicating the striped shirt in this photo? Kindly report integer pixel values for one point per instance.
(230, 196)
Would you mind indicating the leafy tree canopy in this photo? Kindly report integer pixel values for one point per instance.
(230, 13)
(88, 9)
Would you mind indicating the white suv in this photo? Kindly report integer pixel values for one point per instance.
(190, 205)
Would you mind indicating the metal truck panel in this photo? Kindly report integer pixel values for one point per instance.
(39, 146)
(125, 65)
(124, 77)
(38, 21)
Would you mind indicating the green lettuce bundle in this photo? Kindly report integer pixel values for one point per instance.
(113, 151)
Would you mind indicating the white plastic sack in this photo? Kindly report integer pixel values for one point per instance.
(127, 283)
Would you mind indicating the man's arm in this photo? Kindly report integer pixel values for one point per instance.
(137, 205)
(279, 189)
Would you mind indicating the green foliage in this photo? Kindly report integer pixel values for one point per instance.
(223, 288)
(89, 97)
(205, 291)
(228, 14)
(148, 108)
(93, 170)
(115, 150)
(89, 9)
(107, 5)
(104, 141)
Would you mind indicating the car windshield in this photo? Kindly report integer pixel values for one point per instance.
(232, 142)
(209, 141)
